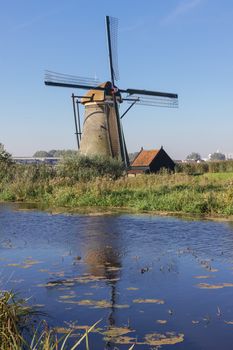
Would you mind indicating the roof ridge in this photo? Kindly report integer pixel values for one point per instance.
(137, 155)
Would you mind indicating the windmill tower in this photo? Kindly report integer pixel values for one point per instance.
(100, 129)
(102, 132)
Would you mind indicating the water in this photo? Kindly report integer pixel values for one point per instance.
(113, 263)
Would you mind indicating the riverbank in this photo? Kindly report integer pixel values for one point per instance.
(209, 195)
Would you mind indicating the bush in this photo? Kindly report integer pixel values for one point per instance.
(204, 167)
(84, 168)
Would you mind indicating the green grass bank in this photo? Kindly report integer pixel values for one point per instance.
(79, 182)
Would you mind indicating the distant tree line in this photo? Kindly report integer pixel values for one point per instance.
(195, 157)
(55, 153)
(61, 153)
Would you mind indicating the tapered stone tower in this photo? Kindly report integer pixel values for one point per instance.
(100, 134)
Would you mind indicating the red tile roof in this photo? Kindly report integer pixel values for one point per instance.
(144, 158)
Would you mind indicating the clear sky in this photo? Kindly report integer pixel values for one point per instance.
(180, 46)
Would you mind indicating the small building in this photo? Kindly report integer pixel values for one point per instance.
(151, 161)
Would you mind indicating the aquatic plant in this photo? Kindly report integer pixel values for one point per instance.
(17, 330)
(15, 318)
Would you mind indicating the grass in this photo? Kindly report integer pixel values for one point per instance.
(17, 330)
(82, 183)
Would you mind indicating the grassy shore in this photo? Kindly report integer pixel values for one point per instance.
(72, 186)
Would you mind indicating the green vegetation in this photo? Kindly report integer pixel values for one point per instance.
(18, 332)
(194, 156)
(14, 318)
(79, 182)
(55, 153)
(205, 167)
(217, 156)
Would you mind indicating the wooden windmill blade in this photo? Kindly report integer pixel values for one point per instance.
(149, 93)
(70, 81)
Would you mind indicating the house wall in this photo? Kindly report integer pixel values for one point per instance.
(162, 160)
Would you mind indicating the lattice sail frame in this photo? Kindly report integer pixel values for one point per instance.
(114, 45)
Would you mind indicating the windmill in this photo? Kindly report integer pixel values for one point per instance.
(102, 131)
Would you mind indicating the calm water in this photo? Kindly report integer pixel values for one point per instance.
(140, 272)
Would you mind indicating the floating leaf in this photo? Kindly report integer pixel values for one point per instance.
(169, 338)
(96, 304)
(132, 288)
(149, 301)
(161, 321)
(32, 262)
(214, 286)
(20, 266)
(113, 268)
(123, 340)
(116, 331)
(66, 297)
(55, 284)
(57, 274)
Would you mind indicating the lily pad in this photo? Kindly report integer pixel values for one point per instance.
(169, 338)
(148, 301)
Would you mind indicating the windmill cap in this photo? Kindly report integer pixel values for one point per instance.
(106, 92)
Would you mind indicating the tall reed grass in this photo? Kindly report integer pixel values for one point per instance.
(82, 182)
(17, 330)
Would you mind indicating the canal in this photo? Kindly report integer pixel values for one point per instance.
(154, 281)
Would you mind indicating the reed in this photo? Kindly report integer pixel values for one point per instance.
(15, 318)
(17, 328)
(82, 182)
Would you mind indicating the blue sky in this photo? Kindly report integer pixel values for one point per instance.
(181, 46)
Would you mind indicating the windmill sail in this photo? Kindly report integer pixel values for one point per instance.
(111, 27)
(72, 81)
(112, 37)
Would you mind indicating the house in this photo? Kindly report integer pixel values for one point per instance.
(151, 161)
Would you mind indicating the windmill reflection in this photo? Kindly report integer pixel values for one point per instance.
(103, 256)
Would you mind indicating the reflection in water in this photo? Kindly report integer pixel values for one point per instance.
(136, 258)
(103, 259)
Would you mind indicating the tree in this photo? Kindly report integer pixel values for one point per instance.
(194, 156)
(5, 157)
(217, 156)
(41, 154)
(64, 153)
(55, 153)
(52, 153)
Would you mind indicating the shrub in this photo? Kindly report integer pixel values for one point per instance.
(84, 168)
